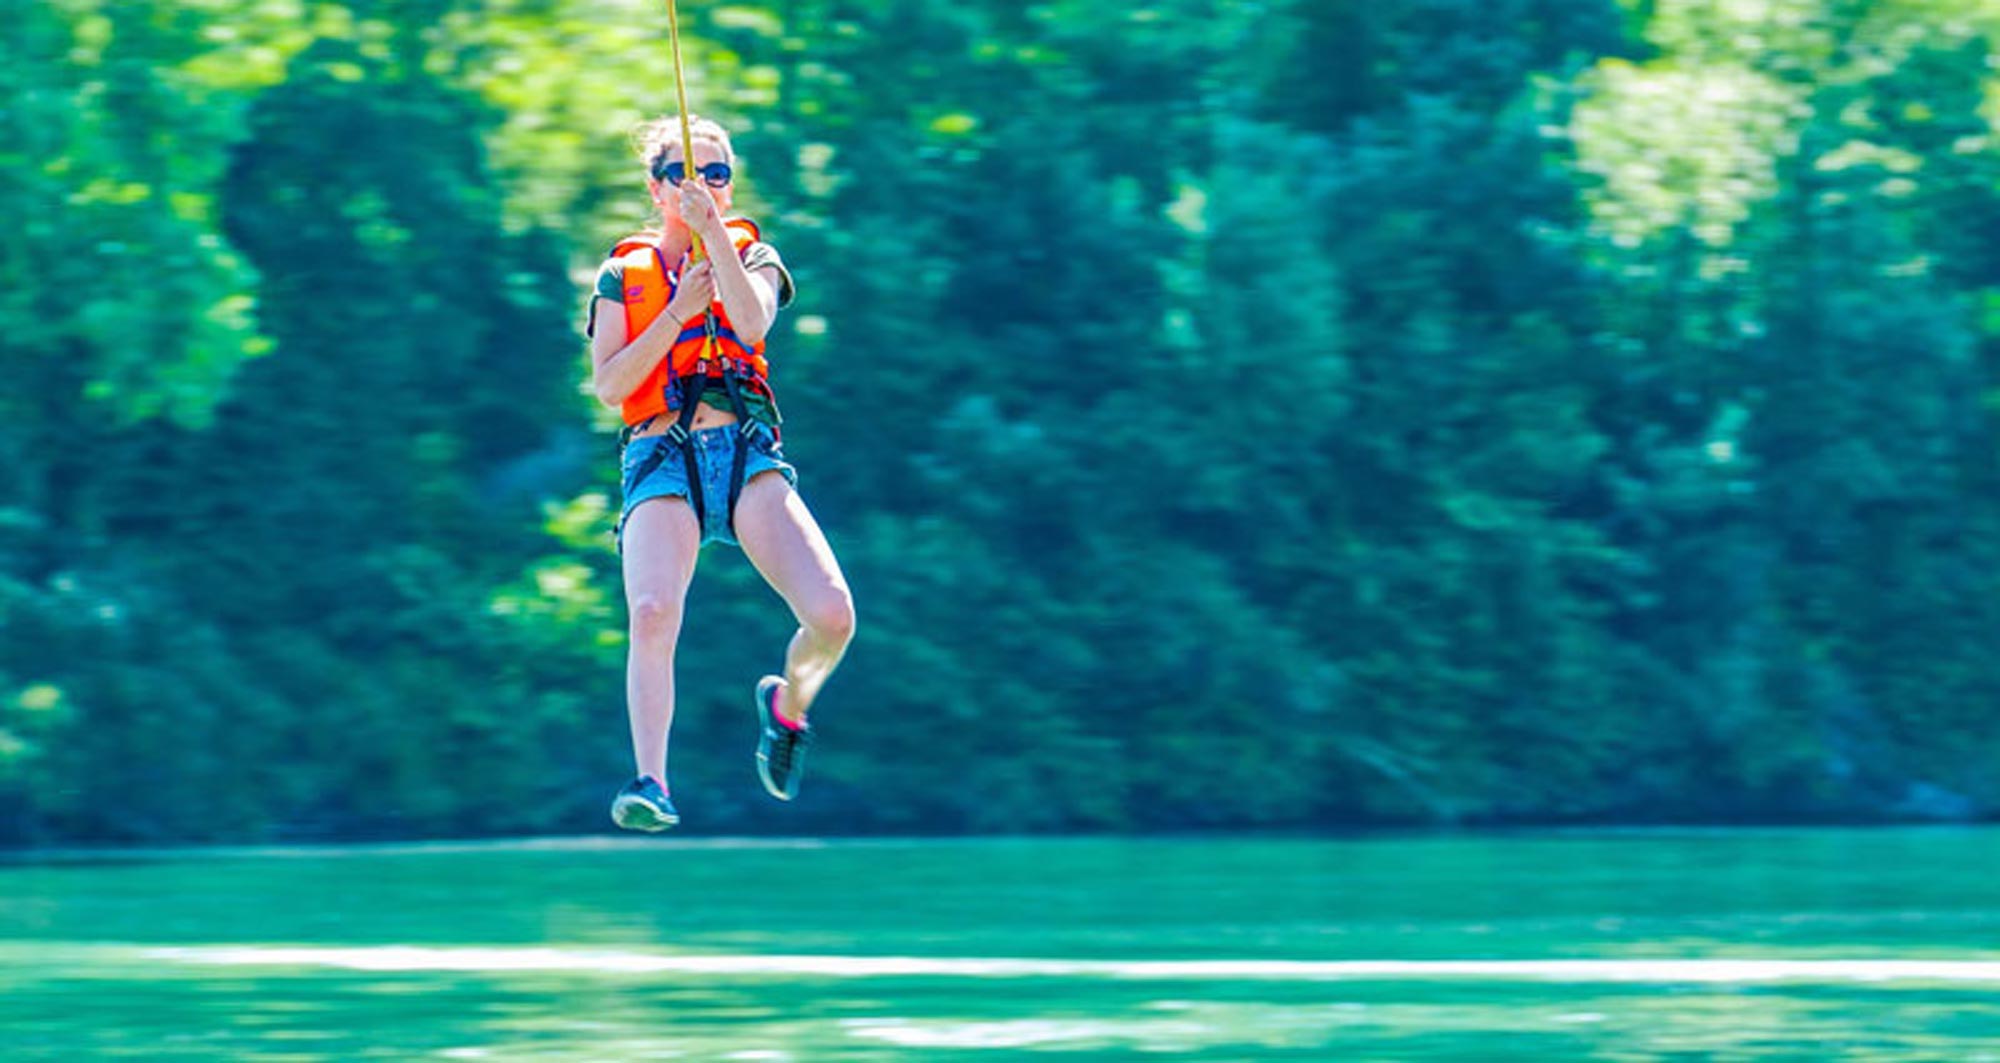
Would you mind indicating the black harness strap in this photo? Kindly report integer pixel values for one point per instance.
(677, 435)
(746, 430)
(682, 436)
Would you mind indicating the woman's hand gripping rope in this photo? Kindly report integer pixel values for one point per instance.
(694, 294)
(701, 215)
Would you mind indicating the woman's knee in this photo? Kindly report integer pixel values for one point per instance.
(830, 617)
(655, 618)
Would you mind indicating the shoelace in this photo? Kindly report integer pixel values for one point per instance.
(787, 744)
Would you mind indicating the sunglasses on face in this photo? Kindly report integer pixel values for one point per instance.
(714, 175)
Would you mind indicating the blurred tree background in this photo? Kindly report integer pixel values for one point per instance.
(1228, 413)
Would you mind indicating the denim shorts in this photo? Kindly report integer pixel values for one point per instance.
(714, 454)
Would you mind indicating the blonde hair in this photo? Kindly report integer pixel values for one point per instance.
(656, 139)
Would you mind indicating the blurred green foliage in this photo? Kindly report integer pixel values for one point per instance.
(1241, 414)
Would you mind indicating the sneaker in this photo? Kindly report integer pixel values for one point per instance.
(643, 805)
(781, 751)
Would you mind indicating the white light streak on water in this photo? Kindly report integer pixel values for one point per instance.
(398, 958)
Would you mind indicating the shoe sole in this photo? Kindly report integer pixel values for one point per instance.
(764, 725)
(764, 776)
(634, 814)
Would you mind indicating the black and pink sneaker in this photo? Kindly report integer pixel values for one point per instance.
(781, 747)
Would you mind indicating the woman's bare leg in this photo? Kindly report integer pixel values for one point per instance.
(661, 545)
(780, 537)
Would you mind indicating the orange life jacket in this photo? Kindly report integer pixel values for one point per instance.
(649, 286)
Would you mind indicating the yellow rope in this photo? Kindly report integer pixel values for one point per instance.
(681, 90)
(687, 157)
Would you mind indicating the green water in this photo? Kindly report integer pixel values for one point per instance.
(628, 949)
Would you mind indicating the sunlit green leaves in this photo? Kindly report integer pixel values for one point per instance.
(1682, 147)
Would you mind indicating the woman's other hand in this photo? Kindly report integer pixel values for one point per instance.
(696, 292)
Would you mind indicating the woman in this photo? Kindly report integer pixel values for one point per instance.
(677, 345)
